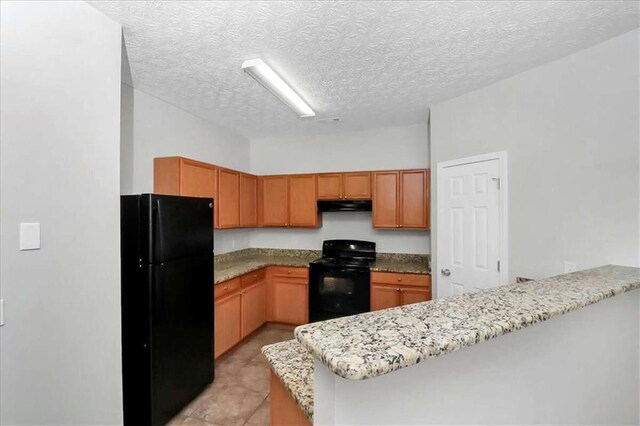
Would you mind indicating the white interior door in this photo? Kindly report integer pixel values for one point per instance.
(469, 227)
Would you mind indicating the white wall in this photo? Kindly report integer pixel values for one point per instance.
(571, 129)
(60, 124)
(558, 372)
(153, 128)
(375, 149)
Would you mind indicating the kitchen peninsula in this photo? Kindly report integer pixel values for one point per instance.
(580, 368)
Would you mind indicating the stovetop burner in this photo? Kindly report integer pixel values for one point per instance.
(353, 253)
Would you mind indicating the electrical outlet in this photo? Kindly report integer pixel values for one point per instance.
(569, 267)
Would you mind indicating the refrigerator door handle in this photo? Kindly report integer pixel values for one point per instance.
(159, 232)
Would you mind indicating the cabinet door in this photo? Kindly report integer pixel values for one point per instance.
(254, 308)
(248, 200)
(228, 198)
(289, 302)
(274, 201)
(303, 201)
(414, 295)
(227, 323)
(329, 186)
(385, 199)
(384, 296)
(197, 180)
(356, 186)
(413, 199)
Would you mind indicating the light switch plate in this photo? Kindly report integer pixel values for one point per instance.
(29, 236)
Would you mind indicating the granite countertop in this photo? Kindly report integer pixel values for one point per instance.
(231, 265)
(293, 365)
(376, 343)
(402, 263)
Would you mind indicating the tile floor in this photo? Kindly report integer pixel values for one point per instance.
(239, 394)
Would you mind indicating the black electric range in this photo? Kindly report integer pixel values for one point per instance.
(339, 280)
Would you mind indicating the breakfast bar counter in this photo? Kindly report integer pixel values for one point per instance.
(373, 344)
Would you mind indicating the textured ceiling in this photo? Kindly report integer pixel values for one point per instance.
(370, 63)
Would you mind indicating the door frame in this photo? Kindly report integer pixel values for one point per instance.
(503, 226)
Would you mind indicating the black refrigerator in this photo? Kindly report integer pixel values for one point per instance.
(167, 304)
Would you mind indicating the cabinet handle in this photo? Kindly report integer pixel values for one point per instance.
(226, 288)
(399, 280)
(401, 290)
(289, 272)
(398, 289)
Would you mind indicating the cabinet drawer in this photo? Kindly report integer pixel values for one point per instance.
(225, 288)
(282, 271)
(406, 279)
(252, 277)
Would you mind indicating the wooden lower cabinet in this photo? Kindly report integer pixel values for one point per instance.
(244, 304)
(254, 308)
(285, 411)
(227, 323)
(389, 290)
(384, 296)
(289, 295)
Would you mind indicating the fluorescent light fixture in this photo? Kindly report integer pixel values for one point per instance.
(264, 75)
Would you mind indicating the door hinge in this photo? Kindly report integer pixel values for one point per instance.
(498, 266)
(497, 181)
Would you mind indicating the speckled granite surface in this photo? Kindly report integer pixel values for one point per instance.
(232, 265)
(237, 263)
(376, 343)
(402, 263)
(293, 364)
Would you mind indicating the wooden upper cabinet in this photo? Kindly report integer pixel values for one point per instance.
(274, 205)
(248, 200)
(385, 199)
(303, 206)
(181, 176)
(197, 181)
(414, 199)
(329, 186)
(228, 198)
(356, 186)
(349, 186)
(401, 199)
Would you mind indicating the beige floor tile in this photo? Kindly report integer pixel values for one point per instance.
(239, 394)
(216, 386)
(230, 366)
(231, 406)
(261, 417)
(254, 376)
(189, 421)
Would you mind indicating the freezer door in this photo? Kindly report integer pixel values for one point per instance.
(182, 333)
(180, 227)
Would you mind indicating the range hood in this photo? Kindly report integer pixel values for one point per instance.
(345, 206)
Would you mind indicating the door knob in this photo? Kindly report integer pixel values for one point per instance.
(445, 272)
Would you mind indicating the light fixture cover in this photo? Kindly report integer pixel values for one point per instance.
(264, 75)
